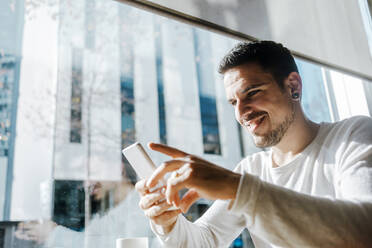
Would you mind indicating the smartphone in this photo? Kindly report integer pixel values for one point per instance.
(142, 163)
(139, 160)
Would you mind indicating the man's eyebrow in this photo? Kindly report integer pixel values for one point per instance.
(252, 87)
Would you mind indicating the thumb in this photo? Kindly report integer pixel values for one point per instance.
(188, 199)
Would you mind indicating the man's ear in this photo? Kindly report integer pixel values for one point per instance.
(293, 85)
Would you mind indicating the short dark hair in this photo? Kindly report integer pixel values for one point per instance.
(271, 56)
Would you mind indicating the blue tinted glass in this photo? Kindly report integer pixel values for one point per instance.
(207, 95)
(314, 99)
(76, 95)
(160, 83)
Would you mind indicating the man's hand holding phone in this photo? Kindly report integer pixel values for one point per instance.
(152, 201)
(200, 177)
(155, 206)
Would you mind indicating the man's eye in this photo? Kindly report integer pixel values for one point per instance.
(252, 93)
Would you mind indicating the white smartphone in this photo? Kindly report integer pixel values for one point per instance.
(139, 160)
(142, 163)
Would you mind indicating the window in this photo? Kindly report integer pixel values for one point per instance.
(7, 84)
(103, 75)
(314, 99)
(76, 95)
(128, 134)
(2, 237)
(90, 24)
(9, 66)
(68, 206)
(160, 83)
(349, 95)
(207, 96)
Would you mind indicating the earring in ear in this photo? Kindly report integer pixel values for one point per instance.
(295, 95)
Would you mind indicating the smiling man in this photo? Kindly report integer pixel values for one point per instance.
(312, 188)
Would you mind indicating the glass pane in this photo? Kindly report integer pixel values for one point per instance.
(207, 92)
(80, 81)
(314, 98)
(349, 95)
(95, 77)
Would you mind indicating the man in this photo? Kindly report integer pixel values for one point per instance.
(313, 188)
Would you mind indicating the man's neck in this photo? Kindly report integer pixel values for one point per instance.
(298, 136)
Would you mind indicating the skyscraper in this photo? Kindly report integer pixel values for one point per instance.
(11, 26)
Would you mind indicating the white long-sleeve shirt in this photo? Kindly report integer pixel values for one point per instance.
(323, 198)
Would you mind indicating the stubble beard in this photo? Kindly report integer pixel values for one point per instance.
(273, 137)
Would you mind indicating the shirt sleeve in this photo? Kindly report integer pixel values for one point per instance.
(218, 227)
(287, 218)
(354, 172)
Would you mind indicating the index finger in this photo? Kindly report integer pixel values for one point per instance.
(163, 169)
(170, 151)
(141, 187)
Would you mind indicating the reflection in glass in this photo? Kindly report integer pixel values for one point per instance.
(127, 93)
(113, 61)
(114, 215)
(90, 24)
(207, 95)
(160, 82)
(76, 95)
(314, 98)
(68, 210)
(7, 81)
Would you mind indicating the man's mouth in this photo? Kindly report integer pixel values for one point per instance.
(254, 123)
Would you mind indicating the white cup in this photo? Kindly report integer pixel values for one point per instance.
(132, 243)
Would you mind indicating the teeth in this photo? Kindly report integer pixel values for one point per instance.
(246, 123)
(251, 122)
